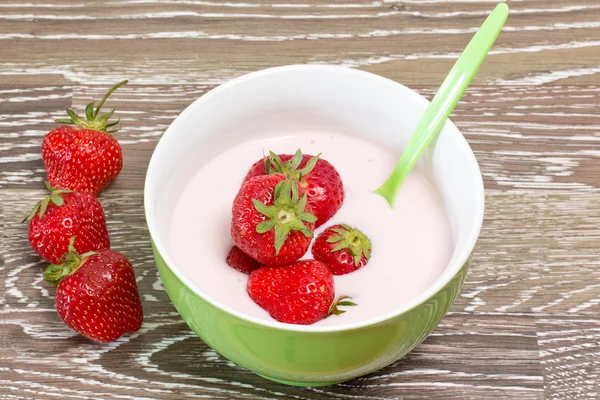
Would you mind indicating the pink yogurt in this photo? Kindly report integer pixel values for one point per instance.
(412, 243)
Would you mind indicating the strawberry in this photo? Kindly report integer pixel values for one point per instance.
(84, 158)
(317, 177)
(96, 294)
(301, 293)
(343, 248)
(241, 261)
(271, 222)
(61, 215)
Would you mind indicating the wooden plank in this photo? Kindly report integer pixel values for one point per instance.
(22, 281)
(182, 42)
(527, 320)
(27, 113)
(570, 353)
(467, 355)
(537, 253)
(526, 259)
(524, 137)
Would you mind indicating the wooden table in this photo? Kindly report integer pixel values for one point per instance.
(527, 322)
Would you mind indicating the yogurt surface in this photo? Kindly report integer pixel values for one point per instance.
(411, 244)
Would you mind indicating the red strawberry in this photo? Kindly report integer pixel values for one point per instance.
(241, 261)
(317, 177)
(301, 293)
(60, 216)
(96, 294)
(271, 222)
(343, 248)
(83, 158)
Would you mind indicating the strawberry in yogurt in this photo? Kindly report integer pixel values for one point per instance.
(401, 263)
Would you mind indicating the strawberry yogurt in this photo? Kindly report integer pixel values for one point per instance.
(411, 244)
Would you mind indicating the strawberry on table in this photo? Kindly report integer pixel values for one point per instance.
(343, 248)
(271, 221)
(97, 295)
(61, 215)
(301, 293)
(241, 261)
(85, 157)
(319, 179)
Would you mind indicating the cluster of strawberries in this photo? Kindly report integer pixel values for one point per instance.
(97, 294)
(283, 199)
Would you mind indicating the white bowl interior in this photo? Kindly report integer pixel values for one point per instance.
(282, 100)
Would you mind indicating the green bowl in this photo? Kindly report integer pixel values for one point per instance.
(329, 98)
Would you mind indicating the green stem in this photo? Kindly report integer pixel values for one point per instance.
(118, 85)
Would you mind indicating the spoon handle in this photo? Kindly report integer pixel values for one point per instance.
(445, 100)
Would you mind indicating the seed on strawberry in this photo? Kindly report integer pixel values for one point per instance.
(271, 221)
(241, 261)
(61, 215)
(343, 248)
(96, 294)
(300, 293)
(84, 158)
(319, 179)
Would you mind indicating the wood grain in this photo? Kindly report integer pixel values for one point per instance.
(524, 137)
(26, 115)
(527, 322)
(467, 354)
(524, 262)
(166, 360)
(193, 41)
(570, 355)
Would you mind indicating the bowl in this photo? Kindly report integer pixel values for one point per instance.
(308, 97)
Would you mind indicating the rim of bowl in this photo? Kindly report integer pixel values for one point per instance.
(449, 272)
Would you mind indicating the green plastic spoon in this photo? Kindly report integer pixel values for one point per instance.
(445, 100)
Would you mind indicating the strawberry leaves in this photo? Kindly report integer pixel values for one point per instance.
(69, 264)
(352, 239)
(288, 213)
(274, 165)
(42, 206)
(92, 121)
(341, 301)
